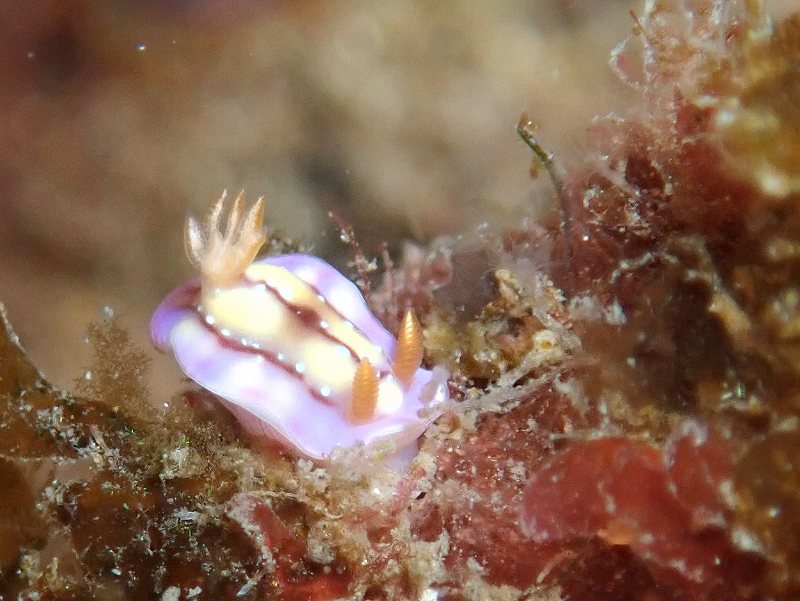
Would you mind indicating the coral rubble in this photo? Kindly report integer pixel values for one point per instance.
(625, 422)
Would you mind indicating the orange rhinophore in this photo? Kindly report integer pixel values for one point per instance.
(409, 350)
(365, 392)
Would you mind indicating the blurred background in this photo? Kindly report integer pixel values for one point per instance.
(119, 117)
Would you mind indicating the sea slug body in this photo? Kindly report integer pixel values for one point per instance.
(290, 346)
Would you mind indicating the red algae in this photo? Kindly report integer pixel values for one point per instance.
(667, 507)
(479, 480)
(282, 554)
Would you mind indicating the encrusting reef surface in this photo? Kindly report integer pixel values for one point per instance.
(626, 383)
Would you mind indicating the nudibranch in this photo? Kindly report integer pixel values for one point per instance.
(290, 345)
